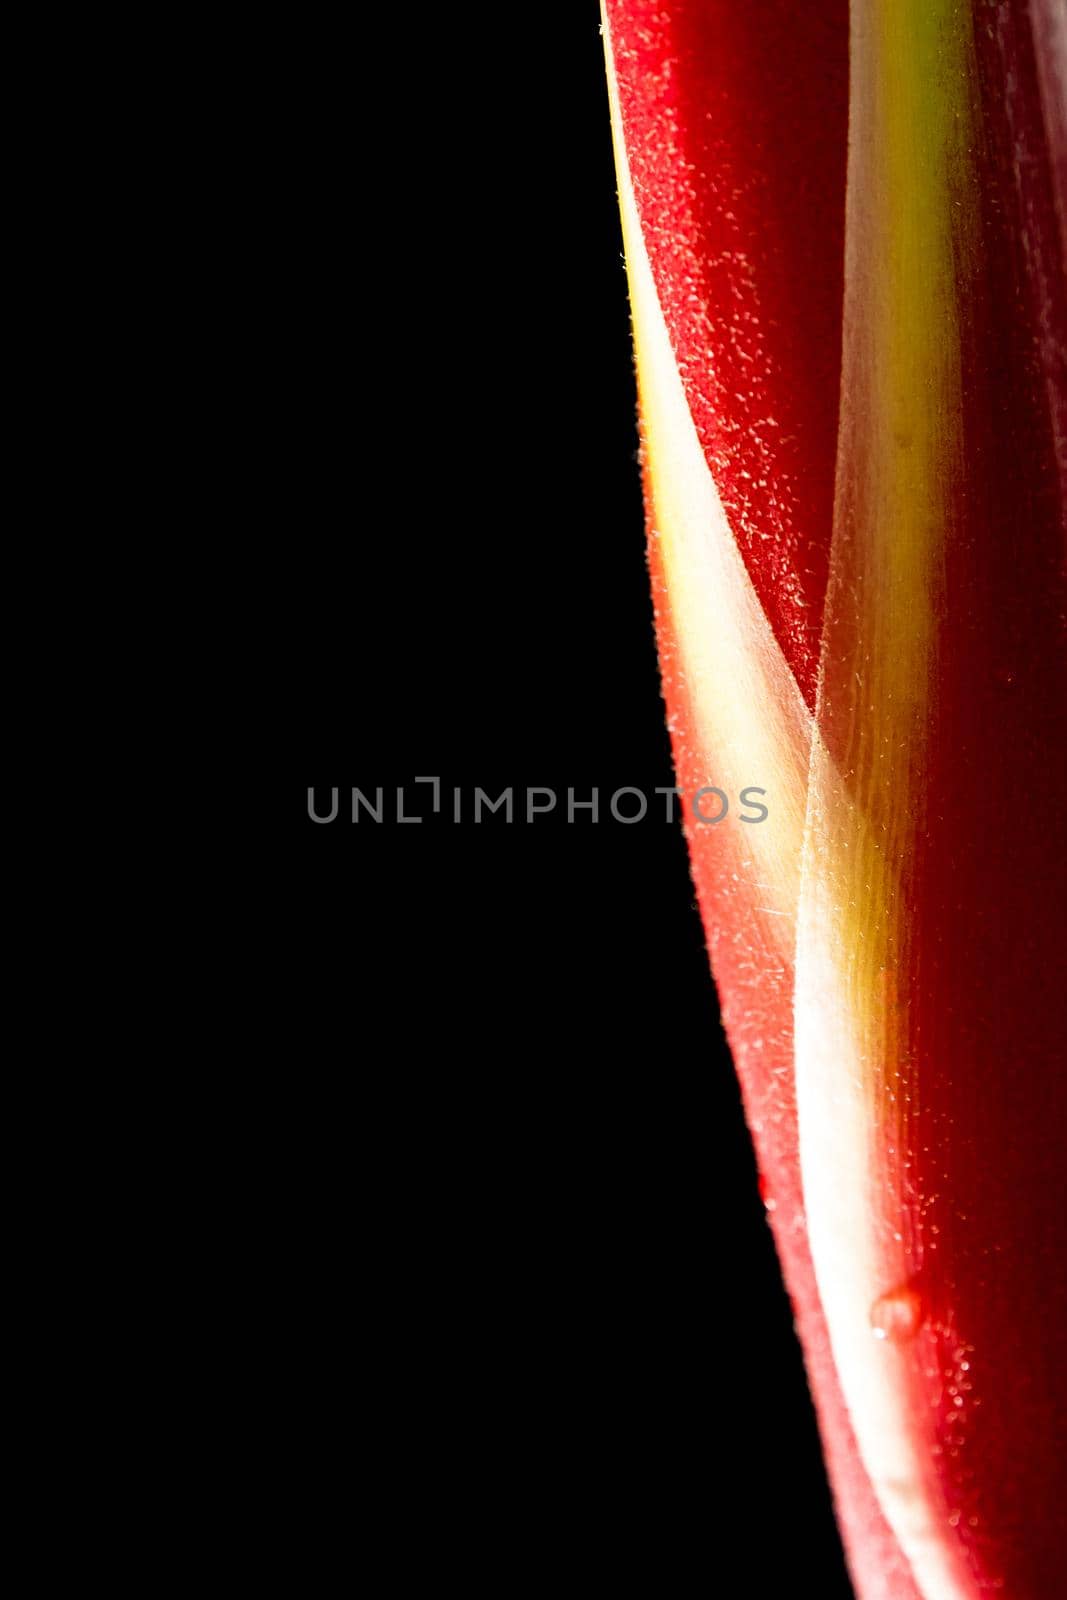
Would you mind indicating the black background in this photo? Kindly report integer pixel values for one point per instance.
(512, 1206)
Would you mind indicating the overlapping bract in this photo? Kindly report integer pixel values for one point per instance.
(845, 236)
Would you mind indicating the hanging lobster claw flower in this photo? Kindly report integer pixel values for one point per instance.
(846, 241)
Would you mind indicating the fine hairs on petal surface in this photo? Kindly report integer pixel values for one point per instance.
(846, 235)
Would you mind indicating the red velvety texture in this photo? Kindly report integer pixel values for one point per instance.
(735, 129)
(735, 119)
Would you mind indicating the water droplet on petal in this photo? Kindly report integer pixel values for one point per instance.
(897, 1316)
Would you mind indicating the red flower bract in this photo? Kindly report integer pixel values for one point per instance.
(736, 135)
(846, 237)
